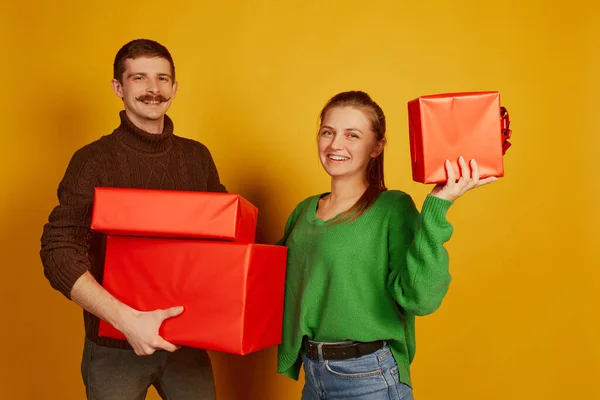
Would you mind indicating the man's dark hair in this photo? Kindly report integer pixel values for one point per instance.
(140, 48)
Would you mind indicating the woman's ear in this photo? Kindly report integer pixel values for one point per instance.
(379, 146)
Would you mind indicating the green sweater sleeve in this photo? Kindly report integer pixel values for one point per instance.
(419, 264)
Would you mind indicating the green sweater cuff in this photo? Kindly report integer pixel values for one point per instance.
(289, 364)
(435, 210)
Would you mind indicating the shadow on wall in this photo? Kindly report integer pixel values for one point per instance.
(47, 329)
(253, 376)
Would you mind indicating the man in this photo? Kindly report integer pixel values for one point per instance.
(142, 152)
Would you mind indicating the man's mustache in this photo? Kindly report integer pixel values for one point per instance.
(148, 97)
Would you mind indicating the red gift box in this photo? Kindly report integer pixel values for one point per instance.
(232, 293)
(174, 213)
(447, 126)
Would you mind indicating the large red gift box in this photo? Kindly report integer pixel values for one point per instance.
(232, 293)
(447, 126)
(174, 213)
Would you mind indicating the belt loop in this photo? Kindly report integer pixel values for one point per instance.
(320, 351)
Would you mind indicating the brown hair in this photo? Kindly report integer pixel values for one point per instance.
(140, 48)
(363, 102)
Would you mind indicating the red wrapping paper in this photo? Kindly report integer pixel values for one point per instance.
(174, 213)
(447, 126)
(232, 293)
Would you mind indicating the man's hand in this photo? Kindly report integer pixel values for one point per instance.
(141, 329)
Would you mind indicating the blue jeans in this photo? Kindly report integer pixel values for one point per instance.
(372, 377)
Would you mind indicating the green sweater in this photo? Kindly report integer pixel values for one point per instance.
(365, 280)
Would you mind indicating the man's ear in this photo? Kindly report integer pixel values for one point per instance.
(117, 88)
(175, 86)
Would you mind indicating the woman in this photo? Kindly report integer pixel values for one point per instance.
(362, 263)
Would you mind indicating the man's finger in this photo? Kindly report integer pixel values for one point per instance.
(171, 312)
(163, 344)
(144, 350)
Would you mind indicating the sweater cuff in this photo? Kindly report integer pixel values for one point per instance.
(435, 210)
(289, 365)
(65, 278)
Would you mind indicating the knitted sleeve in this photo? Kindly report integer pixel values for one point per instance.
(419, 263)
(66, 236)
(214, 183)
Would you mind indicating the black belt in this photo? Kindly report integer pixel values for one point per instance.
(340, 351)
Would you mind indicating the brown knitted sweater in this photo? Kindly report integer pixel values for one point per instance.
(127, 158)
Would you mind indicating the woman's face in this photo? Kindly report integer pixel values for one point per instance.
(346, 142)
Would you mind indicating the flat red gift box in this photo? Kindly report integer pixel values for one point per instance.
(174, 213)
(232, 293)
(447, 126)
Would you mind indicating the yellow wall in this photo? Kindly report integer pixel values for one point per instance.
(521, 318)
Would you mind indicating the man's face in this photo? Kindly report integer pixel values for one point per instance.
(147, 89)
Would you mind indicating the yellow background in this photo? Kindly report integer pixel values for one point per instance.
(521, 318)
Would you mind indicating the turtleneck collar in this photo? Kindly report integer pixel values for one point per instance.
(143, 141)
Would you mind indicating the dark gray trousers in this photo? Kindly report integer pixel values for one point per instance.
(114, 374)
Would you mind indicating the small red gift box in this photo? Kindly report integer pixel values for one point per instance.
(232, 293)
(174, 213)
(447, 126)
